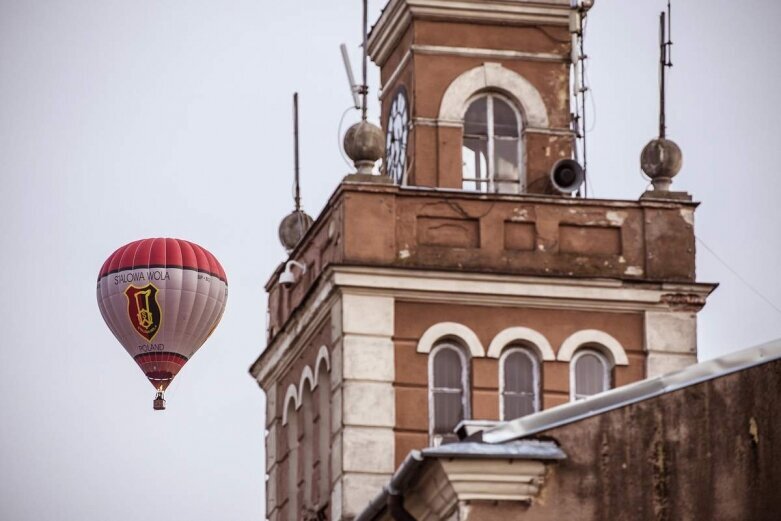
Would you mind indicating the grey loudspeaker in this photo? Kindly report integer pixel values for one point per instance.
(567, 176)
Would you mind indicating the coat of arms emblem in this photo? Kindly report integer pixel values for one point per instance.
(143, 309)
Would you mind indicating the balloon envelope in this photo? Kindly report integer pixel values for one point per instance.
(161, 298)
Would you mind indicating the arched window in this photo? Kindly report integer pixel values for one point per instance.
(292, 462)
(519, 382)
(324, 433)
(448, 390)
(492, 151)
(590, 373)
(307, 442)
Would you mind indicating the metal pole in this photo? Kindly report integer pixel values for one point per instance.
(297, 196)
(365, 86)
(583, 90)
(662, 78)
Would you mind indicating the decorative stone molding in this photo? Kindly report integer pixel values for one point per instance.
(291, 394)
(306, 374)
(446, 484)
(593, 338)
(398, 15)
(297, 393)
(524, 335)
(444, 330)
(684, 301)
(322, 358)
(493, 76)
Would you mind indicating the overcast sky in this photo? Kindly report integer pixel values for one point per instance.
(128, 119)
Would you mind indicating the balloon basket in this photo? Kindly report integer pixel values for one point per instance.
(159, 403)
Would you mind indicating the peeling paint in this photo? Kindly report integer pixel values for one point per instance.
(633, 270)
(753, 430)
(404, 254)
(621, 260)
(520, 214)
(688, 215)
(616, 218)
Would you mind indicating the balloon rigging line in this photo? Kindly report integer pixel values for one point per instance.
(740, 277)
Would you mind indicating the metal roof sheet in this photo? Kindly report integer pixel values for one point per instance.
(517, 449)
(632, 393)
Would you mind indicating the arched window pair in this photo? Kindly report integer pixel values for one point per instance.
(519, 383)
(590, 374)
(492, 152)
(449, 386)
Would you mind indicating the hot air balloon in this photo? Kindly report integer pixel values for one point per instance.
(161, 298)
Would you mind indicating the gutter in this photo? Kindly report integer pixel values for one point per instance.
(393, 490)
(392, 498)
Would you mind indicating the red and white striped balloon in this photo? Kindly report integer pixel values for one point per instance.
(162, 298)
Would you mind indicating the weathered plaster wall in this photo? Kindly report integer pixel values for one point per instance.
(709, 451)
(381, 225)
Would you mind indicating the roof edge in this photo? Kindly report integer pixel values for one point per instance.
(633, 393)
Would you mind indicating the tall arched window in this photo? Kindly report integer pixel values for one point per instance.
(448, 390)
(590, 373)
(324, 433)
(492, 151)
(307, 443)
(519, 381)
(292, 462)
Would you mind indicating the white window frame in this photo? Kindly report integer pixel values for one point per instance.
(535, 376)
(436, 438)
(607, 379)
(489, 182)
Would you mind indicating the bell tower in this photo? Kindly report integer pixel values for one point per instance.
(489, 78)
(460, 288)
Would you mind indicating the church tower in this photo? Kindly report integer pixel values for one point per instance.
(460, 287)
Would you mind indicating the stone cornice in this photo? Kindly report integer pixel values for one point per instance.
(457, 287)
(398, 14)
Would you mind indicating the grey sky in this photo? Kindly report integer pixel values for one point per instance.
(121, 120)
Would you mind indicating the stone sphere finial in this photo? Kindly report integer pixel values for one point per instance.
(661, 160)
(293, 228)
(364, 143)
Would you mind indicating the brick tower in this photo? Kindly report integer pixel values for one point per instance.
(460, 286)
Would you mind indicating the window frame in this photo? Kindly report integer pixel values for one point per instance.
(436, 438)
(489, 181)
(536, 377)
(607, 376)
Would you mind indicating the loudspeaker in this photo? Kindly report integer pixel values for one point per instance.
(567, 176)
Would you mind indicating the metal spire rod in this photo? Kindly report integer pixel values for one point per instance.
(297, 196)
(365, 86)
(665, 61)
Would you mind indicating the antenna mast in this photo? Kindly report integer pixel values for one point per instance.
(365, 86)
(665, 61)
(578, 58)
(297, 188)
(661, 159)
